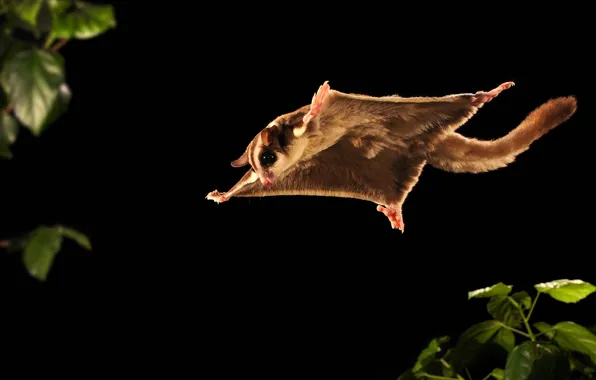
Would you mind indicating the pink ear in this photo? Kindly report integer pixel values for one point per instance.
(241, 161)
(267, 136)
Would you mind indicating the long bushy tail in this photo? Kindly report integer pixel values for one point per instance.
(460, 154)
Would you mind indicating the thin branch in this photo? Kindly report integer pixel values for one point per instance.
(524, 318)
(58, 45)
(437, 377)
(447, 365)
(515, 330)
(533, 304)
(544, 332)
(532, 337)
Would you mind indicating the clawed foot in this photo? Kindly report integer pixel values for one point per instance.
(317, 102)
(394, 215)
(482, 97)
(216, 196)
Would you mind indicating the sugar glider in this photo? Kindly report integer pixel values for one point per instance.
(374, 148)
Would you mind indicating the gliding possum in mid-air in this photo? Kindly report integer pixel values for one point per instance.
(374, 148)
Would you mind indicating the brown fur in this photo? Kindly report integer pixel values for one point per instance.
(365, 147)
(375, 149)
(456, 153)
(339, 171)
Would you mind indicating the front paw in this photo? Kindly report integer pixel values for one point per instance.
(216, 196)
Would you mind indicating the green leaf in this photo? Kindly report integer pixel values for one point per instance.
(523, 299)
(58, 7)
(40, 251)
(447, 371)
(32, 79)
(498, 373)
(505, 338)
(59, 107)
(499, 289)
(27, 10)
(581, 363)
(484, 338)
(502, 309)
(573, 337)
(9, 130)
(36, 21)
(505, 309)
(550, 364)
(483, 333)
(428, 354)
(44, 19)
(87, 21)
(568, 291)
(75, 235)
(10, 46)
(519, 362)
(407, 375)
(545, 328)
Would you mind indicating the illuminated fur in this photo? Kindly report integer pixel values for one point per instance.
(375, 148)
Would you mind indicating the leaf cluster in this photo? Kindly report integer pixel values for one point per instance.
(34, 92)
(531, 351)
(40, 247)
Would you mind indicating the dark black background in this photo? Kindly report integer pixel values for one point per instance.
(294, 285)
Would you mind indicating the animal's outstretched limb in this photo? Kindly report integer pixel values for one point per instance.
(394, 214)
(485, 97)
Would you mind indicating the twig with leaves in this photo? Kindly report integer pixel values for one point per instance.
(34, 92)
(562, 351)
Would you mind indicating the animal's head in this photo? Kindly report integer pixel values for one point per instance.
(276, 148)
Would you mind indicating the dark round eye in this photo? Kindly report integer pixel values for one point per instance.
(267, 158)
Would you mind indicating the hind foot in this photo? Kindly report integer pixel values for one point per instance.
(393, 213)
(482, 97)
